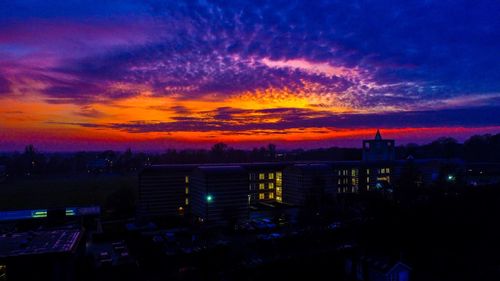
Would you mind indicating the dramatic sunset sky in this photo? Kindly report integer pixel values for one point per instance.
(148, 75)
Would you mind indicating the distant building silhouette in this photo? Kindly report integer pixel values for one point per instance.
(214, 190)
(378, 149)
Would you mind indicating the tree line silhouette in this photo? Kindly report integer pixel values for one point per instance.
(478, 148)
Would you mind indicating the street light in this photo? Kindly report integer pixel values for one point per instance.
(209, 198)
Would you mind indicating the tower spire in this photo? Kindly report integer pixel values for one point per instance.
(378, 136)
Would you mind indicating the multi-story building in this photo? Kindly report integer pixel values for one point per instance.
(219, 193)
(378, 149)
(376, 175)
(346, 176)
(265, 182)
(164, 190)
(167, 190)
(308, 184)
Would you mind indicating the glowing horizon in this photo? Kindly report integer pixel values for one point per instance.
(153, 75)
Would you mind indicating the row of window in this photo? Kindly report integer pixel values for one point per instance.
(346, 172)
(270, 176)
(270, 195)
(380, 171)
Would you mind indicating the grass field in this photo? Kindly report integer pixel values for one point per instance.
(62, 191)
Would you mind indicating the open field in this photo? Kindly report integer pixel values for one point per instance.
(63, 191)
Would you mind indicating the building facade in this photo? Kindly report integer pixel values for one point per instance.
(219, 193)
(164, 190)
(265, 182)
(308, 184)
(171, 190)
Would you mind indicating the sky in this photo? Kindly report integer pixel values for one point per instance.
(150, 75)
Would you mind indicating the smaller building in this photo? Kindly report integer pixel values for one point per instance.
(40, 255)
(219, 194)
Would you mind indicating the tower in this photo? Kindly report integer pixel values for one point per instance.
(378, 149)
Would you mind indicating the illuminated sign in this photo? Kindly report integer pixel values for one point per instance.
(42, 213)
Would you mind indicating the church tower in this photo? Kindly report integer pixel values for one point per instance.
(378, 149)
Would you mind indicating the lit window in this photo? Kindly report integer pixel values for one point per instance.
(367, 179)
(187, 190)
(261, 186)
(278, 175)
(271, 185)
(262, 176)
(271, 195)
(187, 179)
(187, 201)
(382, 171)
(367, 171)
(354, 172)
(261, 196)
(271, 176)
(387, 170)
(338, 182)
(278, 198)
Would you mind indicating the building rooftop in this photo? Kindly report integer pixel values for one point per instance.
(221, 169)
(38, 242)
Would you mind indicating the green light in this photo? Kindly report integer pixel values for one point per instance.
(451, 178)
(39, 213)
(210, 198)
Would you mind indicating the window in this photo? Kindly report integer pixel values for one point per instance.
(187, 190)
(367, 179)
(187, 179)
(338, 182)
(382, 171)
(187, 201)
(261, 196)
(261, 186)
(367, 171)
(271, 185)
(278, 198)
(262, 176)
(271, 176)
(387, 170)
(278, 175)
(271, 195)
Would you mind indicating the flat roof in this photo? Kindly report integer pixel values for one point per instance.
(38, 242)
